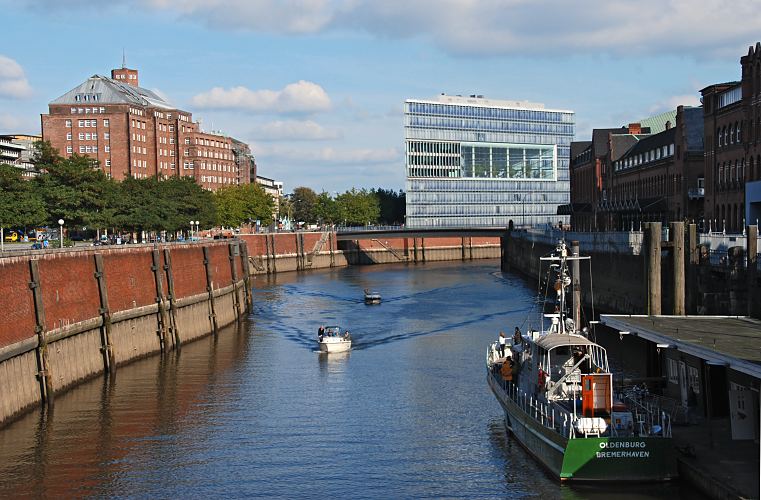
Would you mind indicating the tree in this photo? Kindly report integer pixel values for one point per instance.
(71, 188)
(392, 205)
(358, 207)
(245, 203)
(303, 201)
(20, 205)
(326, 209)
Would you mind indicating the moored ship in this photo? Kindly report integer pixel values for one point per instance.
(556, 389)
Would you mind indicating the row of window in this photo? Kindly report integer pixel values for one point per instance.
(218, 179)
(487, 198)
(140, 163)
(137, 124)
(136, 112)
(729, 134)
(86, 123)
(87, 136)
(139, 137)
(488, 125)
(88, 149)
(642, 158)
(139, 150)
(165, 165)
(485, 112)
(87, 111)
(166, 128)
(166, 152)
(435, 134)
(476, 209)
(484, 185)
(421, 222)
(210, 143)
(87, 97)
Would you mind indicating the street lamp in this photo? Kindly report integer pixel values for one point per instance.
(60, 230)
(198, 228)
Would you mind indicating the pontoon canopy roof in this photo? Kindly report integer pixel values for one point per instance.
(549, 342)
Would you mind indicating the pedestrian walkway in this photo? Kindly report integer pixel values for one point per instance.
(711, 461)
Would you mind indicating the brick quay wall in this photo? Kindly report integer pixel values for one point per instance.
(71, 315)
(278, 252)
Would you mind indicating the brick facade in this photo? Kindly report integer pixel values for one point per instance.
(133, 132)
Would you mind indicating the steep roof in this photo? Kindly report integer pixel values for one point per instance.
(103, 90)
(657, 123)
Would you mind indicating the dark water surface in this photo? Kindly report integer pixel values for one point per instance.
(257, 412)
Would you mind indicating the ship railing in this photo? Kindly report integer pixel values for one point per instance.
(650, 419)
(541, 411)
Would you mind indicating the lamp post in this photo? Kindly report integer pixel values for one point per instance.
(192, 224)
(198, 229)
(60, 230)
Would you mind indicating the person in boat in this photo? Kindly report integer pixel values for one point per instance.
(502, 342)
(347, 335)
(320, 333)
(507, 369)
(541, 379)
(517, 337)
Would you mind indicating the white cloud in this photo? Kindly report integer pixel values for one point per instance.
(13, 82)
(491, 27)
(327, 155)
(299, 97)
(294, 130)
(678, 100)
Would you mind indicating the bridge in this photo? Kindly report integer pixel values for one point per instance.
(389, 232)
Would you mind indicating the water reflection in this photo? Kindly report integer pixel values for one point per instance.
(259, 412)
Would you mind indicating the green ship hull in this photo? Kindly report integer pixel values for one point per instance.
(638, 459)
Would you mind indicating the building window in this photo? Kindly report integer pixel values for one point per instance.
(107, 149)
(68, 136)
(105, 123)
(68, 123)
(81, 149)
(69, 149)
(693, 379)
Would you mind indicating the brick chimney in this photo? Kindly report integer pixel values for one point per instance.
(125, 75)
(635, 128)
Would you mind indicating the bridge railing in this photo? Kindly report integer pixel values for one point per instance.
(357, 229)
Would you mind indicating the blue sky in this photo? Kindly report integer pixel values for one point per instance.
(316, 86)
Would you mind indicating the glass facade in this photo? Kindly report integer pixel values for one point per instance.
(474, 162)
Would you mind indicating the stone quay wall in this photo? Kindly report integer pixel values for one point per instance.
(71, 315)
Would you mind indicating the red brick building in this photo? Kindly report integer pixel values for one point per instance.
(132, 131)
(660, 178)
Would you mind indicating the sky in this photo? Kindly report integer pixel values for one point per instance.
(316, 87)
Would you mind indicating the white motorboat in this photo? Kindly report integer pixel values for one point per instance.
(372, 297)
(332, 339)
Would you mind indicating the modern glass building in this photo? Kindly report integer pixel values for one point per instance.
(476, 162)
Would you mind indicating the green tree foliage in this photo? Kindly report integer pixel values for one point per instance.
(20, 205)
(357, 208)
(246, 203)
(72, 189)
(303, 202)
(326, 209)
(392, 206)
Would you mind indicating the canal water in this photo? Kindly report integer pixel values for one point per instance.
(257, 411)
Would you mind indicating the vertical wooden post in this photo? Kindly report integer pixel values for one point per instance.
(156, 268)
(414, 249)
(504, 244)
(677, 255)
(210, 290)
(653, 274)
(172, 298)
(267, 251)
(332, 252)
(274, 253)
(43, 366)
(754, 308)
(232, 249)
(462, 248)
(422, 248)
(576, 285)
(470, 247)
(105, 315)
(691, 293)
(246, 274)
